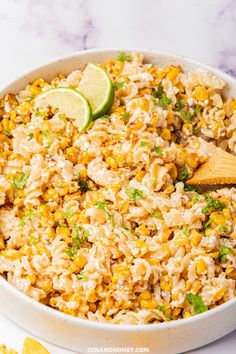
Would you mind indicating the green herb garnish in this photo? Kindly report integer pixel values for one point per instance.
(186, 116)
(83, 185)
(224, 252)
(156, 214)
(163, 100)
(68, 212)
(158, 150)
(212, 204)
(7, 133)
(20, 181)
(32, 240)
(79, 236)
(186, 231)
(144, 143)
(124, 57)
(184, 175)
(125, 116)
(135, 194)
(49, 139)
(118, 85)
(161, 308)
(207, 224)
(197, 302)
(81, 276)
(179, 105)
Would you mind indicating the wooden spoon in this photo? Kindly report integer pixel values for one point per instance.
(219, 169)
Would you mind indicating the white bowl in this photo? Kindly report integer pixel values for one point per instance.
(77, 334)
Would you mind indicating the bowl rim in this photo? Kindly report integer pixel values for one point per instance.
(104, 325)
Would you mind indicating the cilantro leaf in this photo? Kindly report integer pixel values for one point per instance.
(79, 236)
(158, 150)
(68, 212)
(186, 116)
(81, 276)
(212, 204)
(125, 117)
(101, 205)
(184, 175)
(20, 181)
(118, 85)
(7, 133)
(83, 185)
(31, 135)
(156, 214)
(224, 252)
(124, 57)
(163, 100)
(161, 308)
(143, 143)
(135, 194)
(186, 231)
(179, 105)
(197, 302)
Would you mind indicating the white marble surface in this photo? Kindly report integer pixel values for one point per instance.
(34, 31)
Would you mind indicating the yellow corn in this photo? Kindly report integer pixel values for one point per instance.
(195, 237)
(143, 230)
(170, 189)
(51, 195)
(219, 294)
(144, 104)
(72, 154)
(91, 296)
(226, 213)
(139, 175)
(217, 218)
(201, 93)
(187, 314)
(111, 162)
(187, 129)
(172, 75)
(191, 162)
(200, 266)
(79, 260)
(196, 286)
(144, 296)
(166, 134)
(63, 231)
(166, 283)
(148, 304)
(233, 105)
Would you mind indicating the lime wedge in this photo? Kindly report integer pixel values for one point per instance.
(69, 102)
(97, 87)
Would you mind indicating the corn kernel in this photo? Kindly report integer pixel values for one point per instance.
(143, 230)
(148, 304)
(226, 213)
(200, 266)
(51, 195)
(172, 75)
(201, 93)
(219, 294)
(166, 283)
(72, 154)
(233, 105)
(111, 162)
(79, 260)
(195, 237)
(166, 134)
(187, 314)
(139, 175)
(144, 296)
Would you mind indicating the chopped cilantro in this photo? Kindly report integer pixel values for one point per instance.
(224, 252)
(118, 85)
(212, 204)
(224, 228)
(79, 236)
(189, 188)
(161, 308)
(135, 194)
(184, 175)
(83, 185)
(186, 116)
(197, 110)
(197, 302)
(81, 276)
(197, 129)
(48, 138)
(155, 214)
(195, 198)
(32, 240)
(163, 100)
(186, 231)
(20, 181)
(68, 212)
(31, 135)
(179, 105)
(144, 143)
(124, 57)
(101, 205)
(207, 224)
(158, 150)
(125, 116)
(7, 133)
